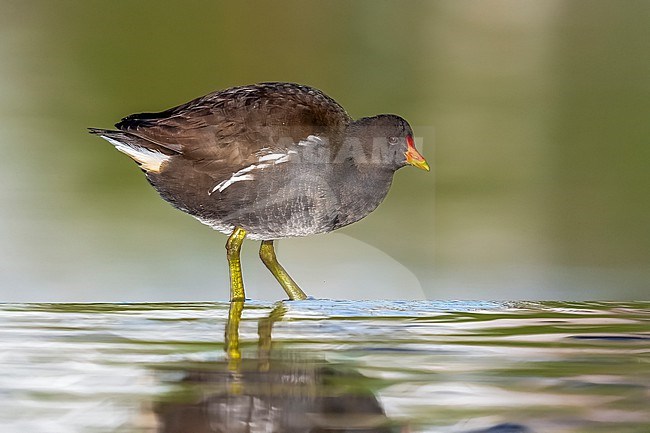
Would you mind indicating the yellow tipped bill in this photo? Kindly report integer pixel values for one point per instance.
(413, 157)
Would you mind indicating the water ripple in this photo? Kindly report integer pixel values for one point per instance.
(430, 366)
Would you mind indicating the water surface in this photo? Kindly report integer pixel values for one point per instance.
(325, 366)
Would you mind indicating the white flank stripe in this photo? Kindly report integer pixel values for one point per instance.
(284, 158)
(240, 175)
(311, 140)
(271, 157)
(277, 158)
(150, 160)
(237, 177)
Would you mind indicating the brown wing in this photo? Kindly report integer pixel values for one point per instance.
(235, 124)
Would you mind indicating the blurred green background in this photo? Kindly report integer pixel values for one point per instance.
(534, 115)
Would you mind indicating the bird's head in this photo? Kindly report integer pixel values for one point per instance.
(386, 140)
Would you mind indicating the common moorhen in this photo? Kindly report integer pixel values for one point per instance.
(267, 161)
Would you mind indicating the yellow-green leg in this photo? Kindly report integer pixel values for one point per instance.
(233, 353)
(264, 329)
(267, 254)
(233, 248)
(232, 334)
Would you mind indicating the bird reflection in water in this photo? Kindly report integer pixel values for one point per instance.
(273, 391)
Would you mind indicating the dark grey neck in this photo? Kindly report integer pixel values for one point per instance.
(361, 190)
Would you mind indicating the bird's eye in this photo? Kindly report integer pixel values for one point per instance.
(393, 140)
